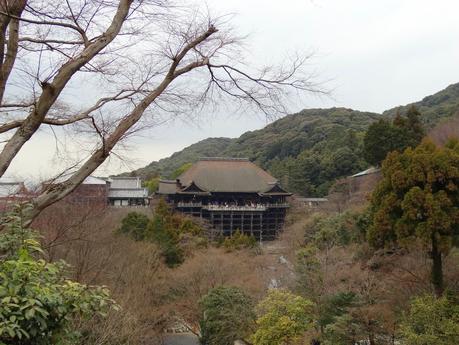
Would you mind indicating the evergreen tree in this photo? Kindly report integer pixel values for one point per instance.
(383, 136)
(417, 199)
(415, 129)
(283, 318)
(380, 139)
(227, 315)
(431, 321)
(135, 225)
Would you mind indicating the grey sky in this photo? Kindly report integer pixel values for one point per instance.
(373, 54)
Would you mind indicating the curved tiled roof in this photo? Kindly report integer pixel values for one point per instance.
(227, 175)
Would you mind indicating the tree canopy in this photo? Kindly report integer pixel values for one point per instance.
(282, 318)
(227, 315)
(417, 199)
(135, 225)
(385, 136)
(38, 301)
(431, 321)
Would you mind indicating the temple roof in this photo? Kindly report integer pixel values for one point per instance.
(227, 175)
(167, 187)
(125, 182)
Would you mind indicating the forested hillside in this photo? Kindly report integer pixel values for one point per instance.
(309, 150)
(209, 147)
(434, 108)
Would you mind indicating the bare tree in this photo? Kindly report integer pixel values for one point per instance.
(445, 131)
(148, 58)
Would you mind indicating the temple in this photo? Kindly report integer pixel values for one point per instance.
(127, 191)
(232, 194)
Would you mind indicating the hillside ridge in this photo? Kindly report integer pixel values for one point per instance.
(309, 149)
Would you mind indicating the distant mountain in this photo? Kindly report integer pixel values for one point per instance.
(309, 150)
(210, 147)
(310, 129)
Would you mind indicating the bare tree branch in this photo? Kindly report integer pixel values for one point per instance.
(52, 90)
(154, 61)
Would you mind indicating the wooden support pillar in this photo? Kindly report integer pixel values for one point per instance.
(261, 227)
(221, 224)
(231, 222)
(212, 223)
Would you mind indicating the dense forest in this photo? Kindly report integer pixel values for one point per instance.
(309, 150)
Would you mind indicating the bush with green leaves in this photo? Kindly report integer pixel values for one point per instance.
(152, 184)
(38, 301)
(344, 330)
(171, 231)
(227, 314)
(135, 225)
(238, 240)
(165, 234)
(308, 271)
(335, 306)
(326, 231)
(431, 320)
(283, 318)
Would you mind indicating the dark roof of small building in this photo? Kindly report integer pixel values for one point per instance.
(167, 187)
(229, 175)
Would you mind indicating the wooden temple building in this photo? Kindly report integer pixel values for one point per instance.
(232, 194)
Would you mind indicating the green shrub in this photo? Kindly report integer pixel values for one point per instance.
(431, 320)
(171, 231)
(135, 225)
(239, 240)
(152, 184)
(227, 314)
(282, 318)
(326, 231)
(166, 235)
(38, 301)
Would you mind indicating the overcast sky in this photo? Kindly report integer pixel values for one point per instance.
(373, 54)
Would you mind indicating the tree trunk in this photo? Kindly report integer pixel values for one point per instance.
(51, 91)
(437, 268)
